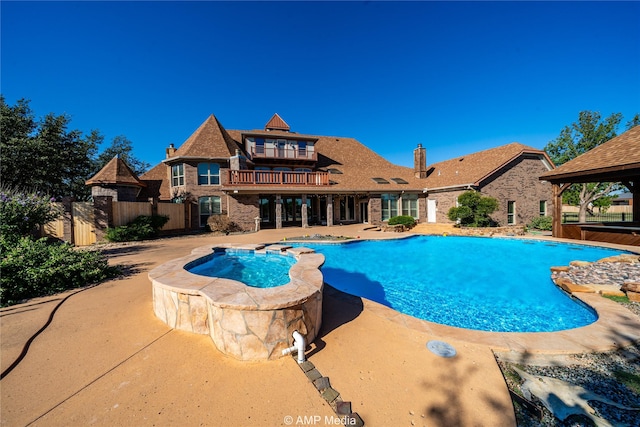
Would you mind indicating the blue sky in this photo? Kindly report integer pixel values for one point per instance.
(457, 77)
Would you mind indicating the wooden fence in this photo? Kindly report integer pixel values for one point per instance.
(83, 222)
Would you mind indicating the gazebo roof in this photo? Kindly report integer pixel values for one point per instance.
(616, 160)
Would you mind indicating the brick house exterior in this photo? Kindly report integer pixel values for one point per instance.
(280, 178)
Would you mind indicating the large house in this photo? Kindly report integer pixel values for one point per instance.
(278, 178)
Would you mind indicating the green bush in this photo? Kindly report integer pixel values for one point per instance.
(33, 268)
(542, 223)
(22, 213)
(406, 220)
(474, 210)
(141, 228)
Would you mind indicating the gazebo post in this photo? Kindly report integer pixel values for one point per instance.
(558, 189)
(635, 191)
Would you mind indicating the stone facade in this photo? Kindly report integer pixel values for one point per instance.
(117, 193)
(244, 322)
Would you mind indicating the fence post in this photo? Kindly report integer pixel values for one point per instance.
(67, 219)
(103, 215)
(154, 205)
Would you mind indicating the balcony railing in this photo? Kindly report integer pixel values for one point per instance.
(286, 152)
(251, 177)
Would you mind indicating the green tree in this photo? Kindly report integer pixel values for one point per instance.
(635, 121)
(122, 147)
(474, 209)
(44, 156)
(586, 133)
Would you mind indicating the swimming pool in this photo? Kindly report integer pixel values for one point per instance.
(259, 270)
(500, 285)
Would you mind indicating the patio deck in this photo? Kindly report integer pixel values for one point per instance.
(105, 359)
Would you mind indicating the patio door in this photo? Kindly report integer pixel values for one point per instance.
(431, 211)
(364, 212)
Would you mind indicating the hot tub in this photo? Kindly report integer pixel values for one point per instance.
(245, 322)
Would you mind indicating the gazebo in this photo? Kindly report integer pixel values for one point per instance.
(617, 160)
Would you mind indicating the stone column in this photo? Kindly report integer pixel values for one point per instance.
(278, 211)
(330, 210)
(305, 214)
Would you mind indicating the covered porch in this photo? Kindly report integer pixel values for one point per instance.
(617, 160)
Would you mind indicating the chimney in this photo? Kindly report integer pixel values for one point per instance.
(170, 151)
(420, 162)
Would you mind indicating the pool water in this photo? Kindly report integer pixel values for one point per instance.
(259, 270)
(501, 285)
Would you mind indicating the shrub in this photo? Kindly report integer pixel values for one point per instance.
(222, 224)
(32, 268)
(22, 213)
(474, 210)
(542, 223)
(406, 220)
(141, 228)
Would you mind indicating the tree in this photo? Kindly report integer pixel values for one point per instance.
(473, 209)
(44, 156)
(586, 133)
(122, 147)
(635, 121)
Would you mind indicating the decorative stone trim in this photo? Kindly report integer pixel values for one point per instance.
(244, 322)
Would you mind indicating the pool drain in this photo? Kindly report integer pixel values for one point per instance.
(441, 348)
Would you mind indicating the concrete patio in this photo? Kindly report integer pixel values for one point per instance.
(105, 359)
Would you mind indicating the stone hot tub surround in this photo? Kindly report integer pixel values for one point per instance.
(244, 322)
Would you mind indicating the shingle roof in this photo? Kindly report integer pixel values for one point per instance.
(358, 167)
(209, 141)
(115, 172)
(157, 180)
(617, 157)
(474, 168)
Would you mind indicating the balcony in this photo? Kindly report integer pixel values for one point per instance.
(283, 152)
(251, 177)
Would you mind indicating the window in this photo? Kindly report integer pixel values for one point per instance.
(177, 175)
(511, 212)
(265, 209)
(208, 206)
(260, 146)
(380, 180)
(399, 181)
(543, 208)
(208, 174)
(389, 205)
(410, 205)
(347, 208)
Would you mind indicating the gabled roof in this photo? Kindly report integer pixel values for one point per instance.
(209, 141)
(157, 180)
(116, 172)
(276, 123)
(613, 160)
(474, 168)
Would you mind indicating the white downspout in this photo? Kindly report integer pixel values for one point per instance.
(298, 346)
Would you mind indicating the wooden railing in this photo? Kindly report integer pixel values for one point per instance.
(251, 177)
(261, 152)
